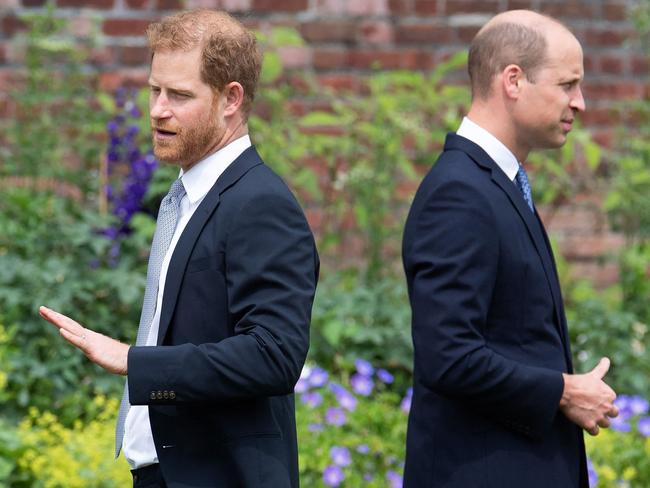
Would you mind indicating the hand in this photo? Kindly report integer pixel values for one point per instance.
(100, 349)
(587, 400)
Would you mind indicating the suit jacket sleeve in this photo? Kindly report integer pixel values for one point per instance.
(271, 273)
(452, 264)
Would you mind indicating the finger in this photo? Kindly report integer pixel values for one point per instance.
(594, 430)
(61, 321)
(612, 412)
(601, 368)
(604, 422)
(78, 341)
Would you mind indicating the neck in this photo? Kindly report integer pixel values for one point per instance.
(500, 125)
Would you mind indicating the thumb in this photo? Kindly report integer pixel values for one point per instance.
(601, 368)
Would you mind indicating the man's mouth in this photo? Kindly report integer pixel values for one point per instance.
(163, 133)
(567, 124)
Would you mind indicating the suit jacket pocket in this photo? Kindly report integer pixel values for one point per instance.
(202, 263)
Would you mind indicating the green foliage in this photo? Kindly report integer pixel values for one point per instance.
(51, 254)
(620, 458)
(374, 433)
(56, 456)
(57, 130)
(352, 320)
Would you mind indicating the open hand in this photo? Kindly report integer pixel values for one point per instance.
(100, 349)
(587, 400)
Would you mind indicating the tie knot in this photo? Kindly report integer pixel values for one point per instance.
(176, 192)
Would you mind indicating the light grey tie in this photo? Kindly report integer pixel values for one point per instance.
(524, 186)
(165, 227)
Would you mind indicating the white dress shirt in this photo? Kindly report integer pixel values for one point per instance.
(501, 155)
(138, 446)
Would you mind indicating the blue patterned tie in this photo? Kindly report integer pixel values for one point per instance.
(165, 227)
(524, 186)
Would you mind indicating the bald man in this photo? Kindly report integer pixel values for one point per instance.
(495, 400)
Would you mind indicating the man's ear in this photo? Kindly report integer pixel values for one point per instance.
(512, 78)
(233, 94)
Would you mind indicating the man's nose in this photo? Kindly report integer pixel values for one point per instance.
(578, 101)
(159, 106)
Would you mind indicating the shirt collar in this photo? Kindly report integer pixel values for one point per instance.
(203, 175)
(491, 145)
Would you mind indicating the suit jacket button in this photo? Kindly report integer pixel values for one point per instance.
(165, 394)
(159, 395)
(172, 394)
(152, 395)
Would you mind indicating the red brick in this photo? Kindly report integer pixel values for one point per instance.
(597, 37)
(602, 275)
(572, 8)
(103, 4)
(295, 56)
(399, 7)
(573, 219)
(600, 116)
(102, 55)
(467, 32)
(333, 31)
(169, 4)
(138, 4)
(279, 5)
(391, 59)
(34, 3)
(125, 27)
(11, 25)
(591, 246)
(3, 53)
(111, 81)
(341, 82)
(613, 91)
(471, 6)
(615, 11)
(590, 62)
(520, 4)
(376, 32)
(640, 65)
(423, 33)
(426, 7)
(604, 137)
(330, 58)
(612, 65)
(235, 5)
(135, 55)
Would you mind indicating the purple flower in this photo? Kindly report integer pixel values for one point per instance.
(340, 456)
(394, 479)
(591, 472)
(621, 423)
(335, 416)
(333, 476)
(346, 399)
(367, 477)
(364, 367)
(318, 377)
(361, 384)
(385, 377)
(623, 403)
(638, 405)
(406, 401)
(315, 427)
(644, 426)
(363, 449)
(312, 399)
(302, 385)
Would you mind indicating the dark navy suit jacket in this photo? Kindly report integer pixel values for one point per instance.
(490, 335)
(234, 333)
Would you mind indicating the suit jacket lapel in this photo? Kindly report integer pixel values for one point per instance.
(185, 245)
(533, 224)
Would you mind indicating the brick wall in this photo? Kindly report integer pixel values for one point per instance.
(346, 38)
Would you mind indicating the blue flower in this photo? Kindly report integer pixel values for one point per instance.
(363, 449)
(361, 384)
(364, 367)
(384, 376)
(318, 377)
(312, 399)
(621, 423)
(644, 426)
(406, 401)
(591, 472)
(394, 479)
(315, 427)
(638, 405)
(346, 399)
(335, 416)
(333, 476)
(340, 456)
